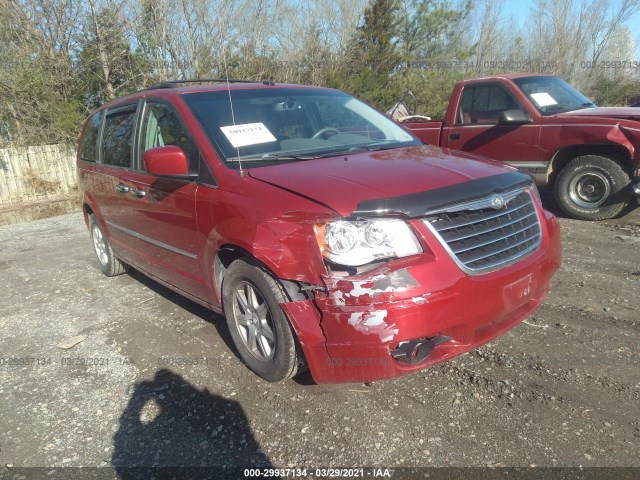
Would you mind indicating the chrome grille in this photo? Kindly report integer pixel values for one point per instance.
(481, 238)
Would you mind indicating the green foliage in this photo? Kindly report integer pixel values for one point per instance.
(373, 56)
(106, 65)
(430, 30)
(397, 46)
(247, 63)
(432, 89)
(38, 102)
(614, 92)
(61, 59)
(48, 87)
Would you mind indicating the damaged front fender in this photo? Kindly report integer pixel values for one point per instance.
(287, 245)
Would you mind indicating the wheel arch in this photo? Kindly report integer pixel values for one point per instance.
(616, 152)
(291, 291)
(228, 253)
(87, 211)
(90, 207)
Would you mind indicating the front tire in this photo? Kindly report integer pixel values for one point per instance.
(593, 187)
(109, 264)
(258, 326)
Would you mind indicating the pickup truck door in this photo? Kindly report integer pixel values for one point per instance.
(476, 127)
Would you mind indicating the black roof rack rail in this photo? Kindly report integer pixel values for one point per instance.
(175, 83)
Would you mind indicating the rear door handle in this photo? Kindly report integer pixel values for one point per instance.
(454, 136)
(122, 188)
(138, 193)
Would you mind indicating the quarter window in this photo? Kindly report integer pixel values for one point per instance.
(89, 146)
(117, 139)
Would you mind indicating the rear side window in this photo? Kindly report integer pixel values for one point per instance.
(89, 145)
(117, 139)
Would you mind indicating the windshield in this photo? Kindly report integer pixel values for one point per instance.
(271, 125)
(552, 95)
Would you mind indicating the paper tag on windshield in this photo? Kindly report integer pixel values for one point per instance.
(543, 99)
(248, 134)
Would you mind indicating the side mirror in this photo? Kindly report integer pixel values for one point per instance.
(167, 161)
(514, 117)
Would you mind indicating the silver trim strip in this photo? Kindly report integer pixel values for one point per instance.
(516, 164)
(488, 125)
(152, 241)
(498, 214)
(478, 204)
(592, 124)
(539, 170)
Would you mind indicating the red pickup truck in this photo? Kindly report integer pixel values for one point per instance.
(541, 124)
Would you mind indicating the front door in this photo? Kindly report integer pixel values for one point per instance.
(477, 128)
(160, 222)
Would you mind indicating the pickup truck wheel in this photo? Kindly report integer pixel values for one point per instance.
(259, 328)
(592, 187)
(108, 262)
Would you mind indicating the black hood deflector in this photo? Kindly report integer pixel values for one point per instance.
(420, 204)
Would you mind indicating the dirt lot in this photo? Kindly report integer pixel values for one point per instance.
(151, 379)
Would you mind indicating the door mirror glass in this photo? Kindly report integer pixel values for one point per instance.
(167, 161)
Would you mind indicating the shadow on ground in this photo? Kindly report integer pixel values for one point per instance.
(195, 309)
(170, 429)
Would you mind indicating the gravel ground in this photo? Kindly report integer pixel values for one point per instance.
(122, 372)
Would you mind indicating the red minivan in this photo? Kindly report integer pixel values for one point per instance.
(329, 236)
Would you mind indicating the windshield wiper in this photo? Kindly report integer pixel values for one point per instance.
(555, 108)
(372, 148)
(292, 156)
(567, 108)
(273, 156)
(586, 105)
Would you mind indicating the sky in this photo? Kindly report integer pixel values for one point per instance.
(521, 9)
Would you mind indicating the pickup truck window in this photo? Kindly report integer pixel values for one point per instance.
(551, 95)
(270, 125)
(482, 104)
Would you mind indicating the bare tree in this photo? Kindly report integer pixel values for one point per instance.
(571, 38)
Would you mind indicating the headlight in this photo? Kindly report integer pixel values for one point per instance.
(358, 242)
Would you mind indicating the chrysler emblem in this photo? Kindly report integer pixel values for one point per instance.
(497, 202)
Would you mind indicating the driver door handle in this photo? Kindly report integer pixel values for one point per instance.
(454, 136)
(122, 188)
(138, 193)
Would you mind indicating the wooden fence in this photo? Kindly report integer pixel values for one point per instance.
(36, 174)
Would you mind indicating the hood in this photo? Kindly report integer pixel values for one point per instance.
(344, 182)
(630, 113)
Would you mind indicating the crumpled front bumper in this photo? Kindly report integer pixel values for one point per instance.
(351, 332)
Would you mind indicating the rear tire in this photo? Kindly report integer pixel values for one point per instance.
(109, 264)
(259, 328)
(593, 187)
